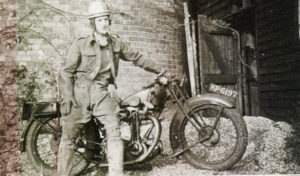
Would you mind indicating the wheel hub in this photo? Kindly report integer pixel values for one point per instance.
(136, 148)
(213, 139)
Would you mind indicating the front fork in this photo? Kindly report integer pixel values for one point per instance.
(192, 117)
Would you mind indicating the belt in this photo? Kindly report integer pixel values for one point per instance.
(82, 79)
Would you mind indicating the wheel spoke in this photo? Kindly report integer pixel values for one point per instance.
(221, 132)
(197, 121)
(217, 120)
(201, 117)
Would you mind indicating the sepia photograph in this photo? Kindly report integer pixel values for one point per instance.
(149, 88)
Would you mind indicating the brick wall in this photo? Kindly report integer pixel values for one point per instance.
(8, 105)
(47, 29)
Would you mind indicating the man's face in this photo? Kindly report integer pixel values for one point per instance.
(102, 24)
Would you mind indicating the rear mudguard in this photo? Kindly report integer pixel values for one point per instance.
(44, 110)
(40, 117)
(22, 142)
(211, 99)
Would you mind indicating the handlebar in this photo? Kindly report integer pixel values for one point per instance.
(156, 80)
(164, 79)
(161, 73)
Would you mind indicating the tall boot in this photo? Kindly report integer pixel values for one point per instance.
(115, 147)
(65, 155)
(115, 152)
(66, 148)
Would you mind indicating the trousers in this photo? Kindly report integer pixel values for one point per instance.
(92, 100)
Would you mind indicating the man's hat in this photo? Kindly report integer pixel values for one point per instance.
(97, 9)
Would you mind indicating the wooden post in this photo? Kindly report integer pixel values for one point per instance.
(245, 79)
(196, 66)
(240, 106)
(201, 20)
(189, 46)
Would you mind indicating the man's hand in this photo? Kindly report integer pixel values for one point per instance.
(163, 77)
(66, 106)
(113, 92)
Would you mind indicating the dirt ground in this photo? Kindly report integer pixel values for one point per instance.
(273, 148)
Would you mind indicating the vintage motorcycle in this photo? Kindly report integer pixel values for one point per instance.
(206, 130)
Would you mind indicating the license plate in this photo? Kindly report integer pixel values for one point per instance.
(222, 90)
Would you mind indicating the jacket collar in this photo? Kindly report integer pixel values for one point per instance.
(92, 39)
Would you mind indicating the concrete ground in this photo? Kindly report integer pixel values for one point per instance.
(273, 148)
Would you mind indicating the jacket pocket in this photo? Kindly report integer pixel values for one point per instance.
(88, 62)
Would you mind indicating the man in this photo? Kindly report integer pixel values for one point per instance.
(88, 88)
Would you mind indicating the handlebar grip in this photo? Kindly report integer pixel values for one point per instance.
(162, 73)
(153, 83)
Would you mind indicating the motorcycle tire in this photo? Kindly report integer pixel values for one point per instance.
(226, 145)
(42, 151)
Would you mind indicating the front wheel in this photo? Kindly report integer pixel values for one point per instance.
(220, 142)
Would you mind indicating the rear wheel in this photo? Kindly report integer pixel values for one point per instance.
(221, 141)
(42, 147)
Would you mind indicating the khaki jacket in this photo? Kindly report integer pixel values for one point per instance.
(84, 58)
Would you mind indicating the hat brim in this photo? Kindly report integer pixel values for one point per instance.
(99, 15)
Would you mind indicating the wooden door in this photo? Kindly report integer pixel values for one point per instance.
(218, 51)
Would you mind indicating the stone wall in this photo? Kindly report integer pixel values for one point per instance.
(8, 105)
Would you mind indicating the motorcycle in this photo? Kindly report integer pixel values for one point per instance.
(206, 130)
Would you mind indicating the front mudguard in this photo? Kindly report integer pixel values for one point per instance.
(208, 99)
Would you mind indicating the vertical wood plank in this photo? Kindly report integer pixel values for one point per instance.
(276, 46)
(245, 82)
(202, 52)
(189, 45)
(254, 103)
(240, 106)
(215, 51)
(196, 66)
(218, 52)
